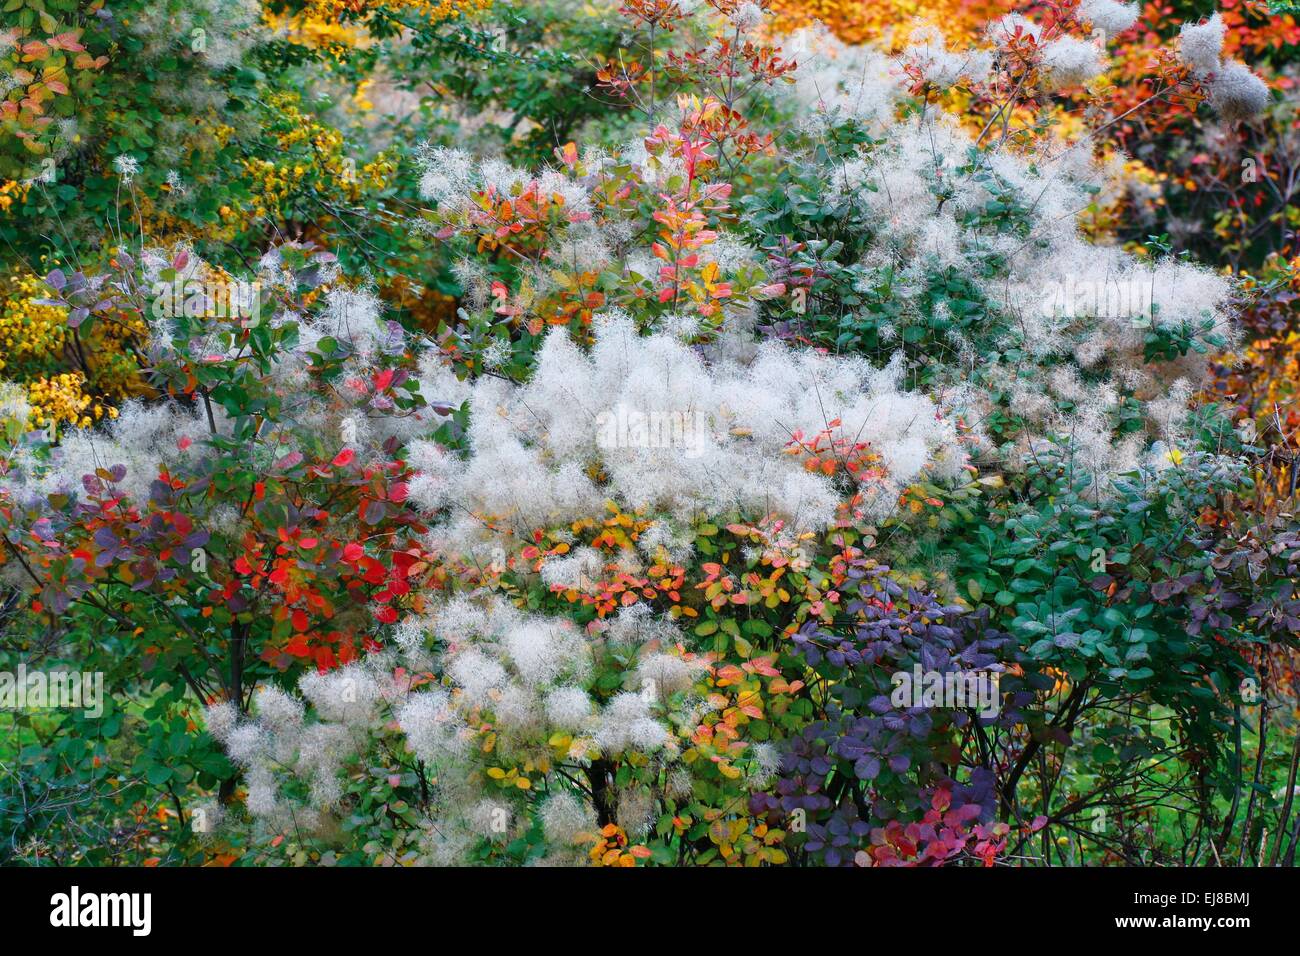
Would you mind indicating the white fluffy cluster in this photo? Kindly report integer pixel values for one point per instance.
(218, 33)
(529, 673)
(914, 188)
(14, 406)
(929, 54)
(1074, 299)
(282, 751)
(565, 819)
(433, 726)
(524, 675)
(1004, 30)
(748, 17)
(1070, 302)
(674, 437)
(278, 743)
(835, 80)
(1069, 61)
(1201, 44)
(143, 438)
(148, 436)
(450, 177)
(1234, 92)
(1108, 15)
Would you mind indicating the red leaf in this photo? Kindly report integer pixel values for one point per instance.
(288, 461)
(344, 458)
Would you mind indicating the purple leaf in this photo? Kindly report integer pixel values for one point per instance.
(374, 513)
(868, 768)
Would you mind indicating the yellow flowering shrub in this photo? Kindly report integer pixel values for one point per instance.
(338, 26)
(329, 35)
(313, 161)
(10, 191)
(62, 400)
(36, 350)
(29, 331)
(856, 22)
(331, 11)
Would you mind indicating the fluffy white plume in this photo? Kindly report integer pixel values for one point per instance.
(1236, 93)
(565, 819)
(674, 436)
(1070, 61)
(928, 52)
(1201, 44)
(1108, 15)
(836, 80)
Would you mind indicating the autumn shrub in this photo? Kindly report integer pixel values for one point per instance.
(570, 459)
